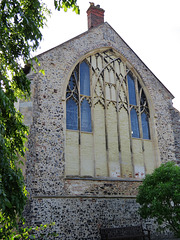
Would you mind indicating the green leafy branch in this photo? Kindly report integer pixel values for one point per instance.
(159, 197)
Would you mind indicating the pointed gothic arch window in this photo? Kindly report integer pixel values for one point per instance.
(107, 120)
(78, 110)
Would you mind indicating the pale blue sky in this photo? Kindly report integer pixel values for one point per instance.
(150, 27)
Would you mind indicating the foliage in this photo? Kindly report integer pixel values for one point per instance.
(20, 25)
(19, 233)
(65, 4)
(159, 197)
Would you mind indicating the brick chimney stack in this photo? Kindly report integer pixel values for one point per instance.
(95, 15)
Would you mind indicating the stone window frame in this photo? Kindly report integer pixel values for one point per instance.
(149, 100)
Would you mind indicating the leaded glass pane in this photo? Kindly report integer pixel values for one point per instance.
(145, 126)
(72, 86)
(71, 115)
(85, 116)
(72, 82)
(131, 89)
(143, 99)
(84, 79)
(134, 124)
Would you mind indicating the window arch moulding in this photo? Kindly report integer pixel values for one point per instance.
(109, 124)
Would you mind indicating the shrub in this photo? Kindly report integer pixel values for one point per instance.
(159, 197)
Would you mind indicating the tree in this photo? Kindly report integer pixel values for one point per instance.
(159, 197)
(20, 35)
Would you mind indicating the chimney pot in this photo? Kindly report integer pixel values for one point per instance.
(95, 15)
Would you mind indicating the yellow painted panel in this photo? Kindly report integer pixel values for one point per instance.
(123, 69)
(72, 153)
(93, 61)
(125, 144)
(106, 75)
(138, 158)
(98, 89)
(117, 68)
(117, 85)
(86, 151)
(99, 63)
(112, 77)
(94, 81)
(123, 91)
(113, 93)
(99, 141)
(108, 92)
(114, 163)
(101, 81)
(149, 156)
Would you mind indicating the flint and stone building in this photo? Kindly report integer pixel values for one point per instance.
(99, 121)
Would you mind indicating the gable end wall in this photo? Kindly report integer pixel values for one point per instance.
(78, 206)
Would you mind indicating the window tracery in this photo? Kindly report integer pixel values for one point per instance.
(105, 99)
